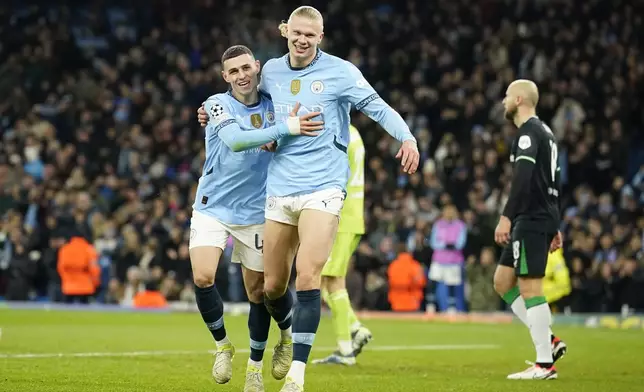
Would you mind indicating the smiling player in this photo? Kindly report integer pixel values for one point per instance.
(307, 177)
(230, 202)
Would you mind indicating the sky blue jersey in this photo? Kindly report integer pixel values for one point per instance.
(332, 86)
(232, 187)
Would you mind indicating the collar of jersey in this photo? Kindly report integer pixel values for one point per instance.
(312, 63)
(259, 99)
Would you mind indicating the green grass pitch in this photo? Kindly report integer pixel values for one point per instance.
(90, 351)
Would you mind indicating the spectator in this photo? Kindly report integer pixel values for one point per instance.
(406, 284)
(448, 239)
(22, 269)
(480, 276)
(150, 297)
(134, 284)
(78, 269)
(50, 263)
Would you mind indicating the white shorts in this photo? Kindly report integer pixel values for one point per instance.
(248, 240)
(450, 274)
(287, 209)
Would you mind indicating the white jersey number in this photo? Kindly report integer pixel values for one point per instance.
(554, 154)
(357, 178)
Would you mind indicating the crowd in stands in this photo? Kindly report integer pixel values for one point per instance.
(100, 149)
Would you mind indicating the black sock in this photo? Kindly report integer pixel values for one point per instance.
(211, 308)
(259, 323)
(545, 365)
(281, 309)
(306, 319)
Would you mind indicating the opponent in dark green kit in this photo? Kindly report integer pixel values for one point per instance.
(528, 227)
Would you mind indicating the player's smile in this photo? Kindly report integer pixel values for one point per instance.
(245, 84)
(304, 35)
(300, 49)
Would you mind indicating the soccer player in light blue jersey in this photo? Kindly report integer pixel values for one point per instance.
(230, 201)
(308, 176)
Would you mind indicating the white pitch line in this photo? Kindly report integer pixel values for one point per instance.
(196, 352)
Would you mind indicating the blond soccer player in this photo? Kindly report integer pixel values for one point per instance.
(307, 177)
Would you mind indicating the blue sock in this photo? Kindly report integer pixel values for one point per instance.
(306, 319)
(259, 323)
(442, 296)
(281, 309)
(211, 308)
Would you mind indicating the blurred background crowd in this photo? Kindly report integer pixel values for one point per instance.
(100, 150)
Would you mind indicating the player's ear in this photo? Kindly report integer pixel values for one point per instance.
(320, 38)
(224, 75)
(258, 65)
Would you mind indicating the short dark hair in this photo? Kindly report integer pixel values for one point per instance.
(234, 51)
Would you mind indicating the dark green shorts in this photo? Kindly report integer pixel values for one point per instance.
(527, 253)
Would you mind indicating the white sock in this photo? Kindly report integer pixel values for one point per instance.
(346, 347)
(286, 334)
(539, 320)
(257, 364)
(222, 342)
(355, 326)
(519, 309)
(296, 372)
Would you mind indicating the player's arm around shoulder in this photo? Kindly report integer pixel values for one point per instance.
(219, 113)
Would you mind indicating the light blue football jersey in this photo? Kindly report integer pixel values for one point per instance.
(329, 85)
(232, 187)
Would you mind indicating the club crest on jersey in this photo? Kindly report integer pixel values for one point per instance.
(256, 120)
(317, 87)
(270, 117)
(295, 86)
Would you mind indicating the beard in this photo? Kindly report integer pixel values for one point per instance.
(511, 113)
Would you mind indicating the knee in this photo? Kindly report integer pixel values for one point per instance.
(333, 283)
(308, 280)
(203, 278)
(501, 284)
(530, 287)
(256, 295)
(274, 288)
(255, 290)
